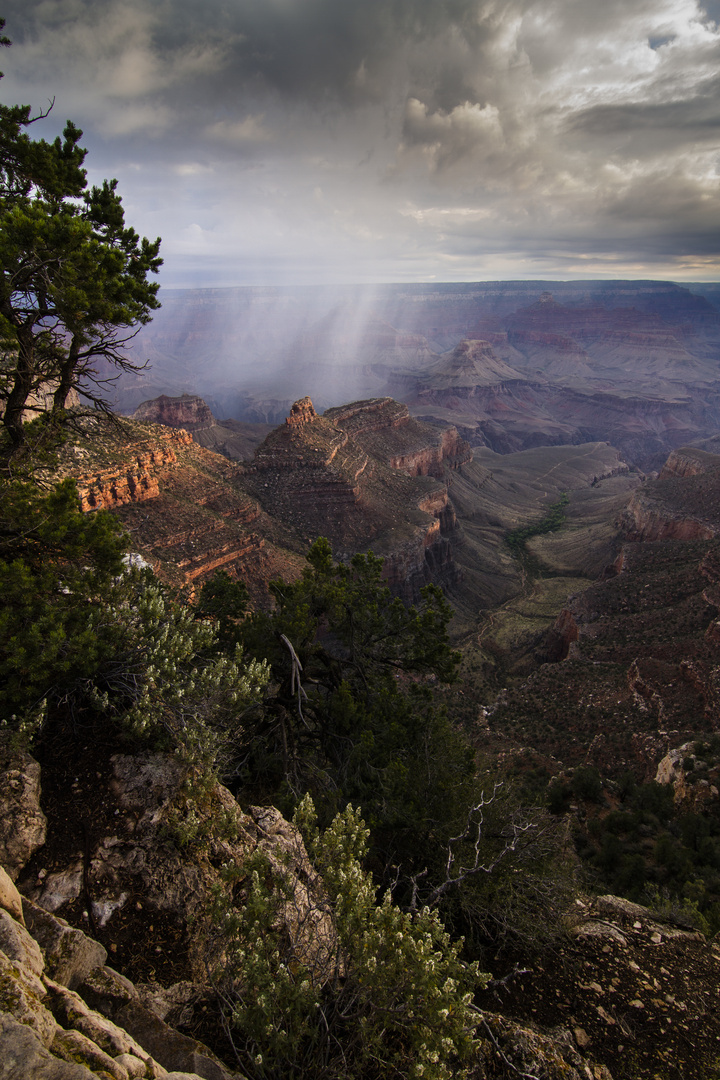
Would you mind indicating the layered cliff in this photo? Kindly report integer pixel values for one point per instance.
(366, 476)
(631, 362)
(385, 428)
(188, 411)
(184, 506)
(682, 504)
(362, 475)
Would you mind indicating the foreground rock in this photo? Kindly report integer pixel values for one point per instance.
(22, 824)
(49, 1031)
(133, 855)
(66, 1014)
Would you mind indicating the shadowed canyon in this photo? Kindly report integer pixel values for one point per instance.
(548, 456)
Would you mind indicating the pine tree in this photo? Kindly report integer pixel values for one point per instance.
(74, 285)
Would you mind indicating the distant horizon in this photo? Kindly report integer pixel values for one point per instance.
(438, 282)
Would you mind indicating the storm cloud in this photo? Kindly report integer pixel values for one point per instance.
(317, 140)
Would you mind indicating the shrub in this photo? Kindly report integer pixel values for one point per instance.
(385, 995)
(586, 783)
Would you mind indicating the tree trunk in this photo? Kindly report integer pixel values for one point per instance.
(67, 376)
(21, 390)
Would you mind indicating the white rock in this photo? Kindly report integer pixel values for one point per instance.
(10, 899)
(74, 1046)
(25, 1058)
(134, 1067)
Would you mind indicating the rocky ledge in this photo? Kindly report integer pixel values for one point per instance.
(624, 983)
(682, 504)
(66, 1015)
(137, 477)
(188, 411)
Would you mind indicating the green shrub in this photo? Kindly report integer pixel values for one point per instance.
(586, 783)
(80, 635)
(384, 994)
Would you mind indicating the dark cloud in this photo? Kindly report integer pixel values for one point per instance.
(696, 117)
(391, 138)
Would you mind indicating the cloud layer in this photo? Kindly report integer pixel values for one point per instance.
(294, 140)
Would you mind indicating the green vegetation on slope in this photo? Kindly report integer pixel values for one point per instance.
(331, 693)
(517, 538)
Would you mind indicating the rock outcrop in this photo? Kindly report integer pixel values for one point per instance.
(188, 411)
(136, 479)
(682, 504)
(385, 429)
(561, 637)
(65, 1015)
(234, 439)
(147, 857)
(695, 784)
(362, 475)
(689, 461)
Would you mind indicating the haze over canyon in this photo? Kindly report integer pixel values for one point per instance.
(511, 364)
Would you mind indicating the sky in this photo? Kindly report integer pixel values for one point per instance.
(323, 141)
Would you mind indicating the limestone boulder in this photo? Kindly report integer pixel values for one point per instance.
(10, 899)
(106, 990)
(71, 1011)
(19, 945)
(22, 996)
(71, 954)
(23, 825)
(24, 1056)
(74, 1046)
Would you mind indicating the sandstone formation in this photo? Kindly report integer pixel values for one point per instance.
(135, 480)
(682, 504)
(367, 476)
(361, 476)
(385, 428)
(235, 439)
(185, 507)
(681, 766)
(689, 461)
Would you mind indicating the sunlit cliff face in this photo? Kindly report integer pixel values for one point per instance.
(322, 143)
